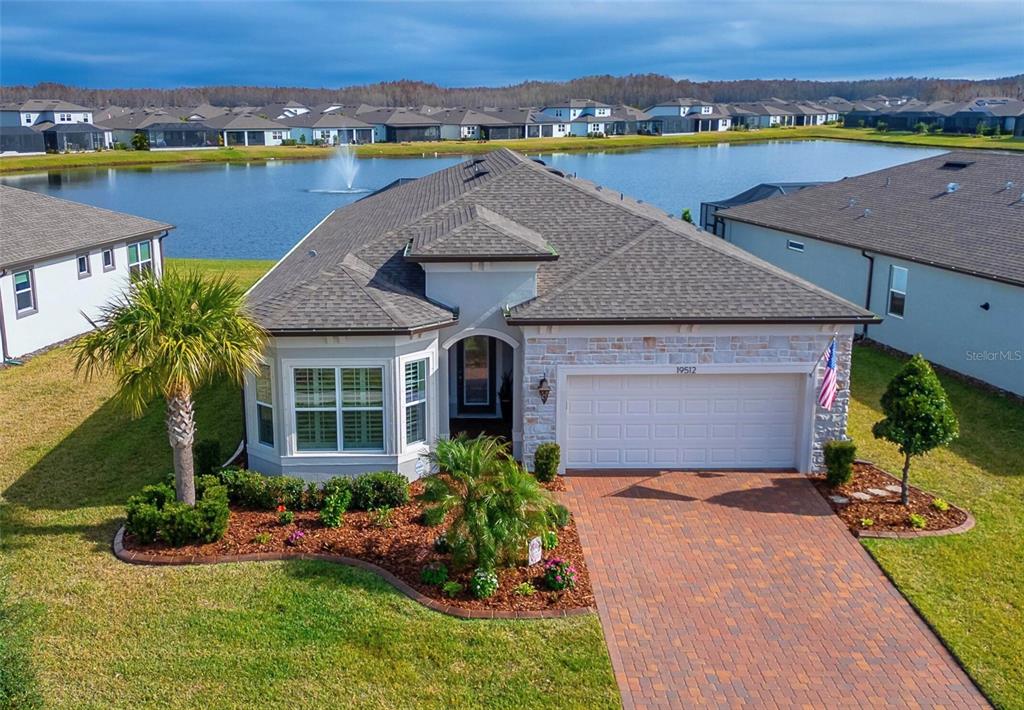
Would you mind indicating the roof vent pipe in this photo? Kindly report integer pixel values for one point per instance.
(851, 202)
(952, 187)
(867, 212)
(888, 180)
(1009, 184)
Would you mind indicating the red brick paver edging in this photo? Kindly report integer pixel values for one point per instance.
(136, 557)
(744, 589)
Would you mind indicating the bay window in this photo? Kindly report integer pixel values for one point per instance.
(316, 409)
(264, 406)
(415, 402)
(362, 408)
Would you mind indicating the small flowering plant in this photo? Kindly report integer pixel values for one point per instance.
(285, 516)
(295, 537)
(559, 574)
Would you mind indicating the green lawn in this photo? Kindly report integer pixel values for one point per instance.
(102, 634)
(970, 587)
(532, 145)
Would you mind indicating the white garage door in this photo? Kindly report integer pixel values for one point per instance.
(684, 421)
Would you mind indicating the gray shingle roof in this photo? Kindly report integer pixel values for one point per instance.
(35, 226)
(978, 229)
(474, 233)
(243, 122)
(617, 259)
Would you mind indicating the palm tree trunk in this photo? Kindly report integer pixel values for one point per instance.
(181, 431)
(905, 493)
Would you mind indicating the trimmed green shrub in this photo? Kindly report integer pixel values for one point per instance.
(545, 461)
(144, 519)
(181, 524)
(379, 490)
(285, 516)
(559, 515)
(839, 457)
(337, 484)
(246, 488)
(484, 583)
(206, 456)
(434, 573)
(432, 517)
(213, 512)
(332, 513)
(313, 496)
(283, 490)
(159, 494)
(918, 415)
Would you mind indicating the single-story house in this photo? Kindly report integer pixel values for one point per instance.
(470, 124)
(500, 295)
(936, 245)
(248, 129)
(400, 125)
(332, 128)
(61, 261)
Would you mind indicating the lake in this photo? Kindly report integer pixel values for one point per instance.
(259, 210)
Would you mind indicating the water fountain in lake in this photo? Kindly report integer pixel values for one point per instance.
(347, 164)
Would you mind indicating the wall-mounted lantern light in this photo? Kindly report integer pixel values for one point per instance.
(543, 389)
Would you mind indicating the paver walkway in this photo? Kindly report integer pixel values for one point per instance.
(744, 590)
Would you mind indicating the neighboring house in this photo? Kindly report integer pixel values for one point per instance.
(283, 110)
(527, 118)
(709, 219)
(688, 116)
(571, 109)
(500, 295)
(331, 127)
(400, 125)
(1004, 114)
(74, 137)
(61, 261)
(44, 111)
(470, 124)
(248, 129)
(936, 245)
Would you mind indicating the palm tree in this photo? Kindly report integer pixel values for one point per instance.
(170, 336)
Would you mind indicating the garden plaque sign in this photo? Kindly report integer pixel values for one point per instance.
(536, 550)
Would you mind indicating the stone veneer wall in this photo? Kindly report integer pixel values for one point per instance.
(545, 353)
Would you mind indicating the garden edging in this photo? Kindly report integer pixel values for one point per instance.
(149, 558)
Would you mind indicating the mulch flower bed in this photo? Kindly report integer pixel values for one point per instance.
(886, 513)
(403, 548)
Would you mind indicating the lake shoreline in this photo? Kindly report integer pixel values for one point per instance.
(18, 164)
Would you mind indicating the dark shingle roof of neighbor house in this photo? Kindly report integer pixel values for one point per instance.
(34, 226)
(976, 227)
(243, 122)
(618, 260)
(323, 120)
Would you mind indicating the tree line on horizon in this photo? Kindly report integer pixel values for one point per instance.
(634, 90)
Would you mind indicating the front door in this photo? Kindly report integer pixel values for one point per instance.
(476, 374)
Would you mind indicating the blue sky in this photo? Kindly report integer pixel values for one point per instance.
(165, 44)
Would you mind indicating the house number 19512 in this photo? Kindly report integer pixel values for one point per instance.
(686, 370)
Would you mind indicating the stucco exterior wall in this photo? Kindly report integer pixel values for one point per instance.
(546, 352)
(943, 318)
(62, 297)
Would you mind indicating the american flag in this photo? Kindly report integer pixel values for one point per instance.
(829, 386)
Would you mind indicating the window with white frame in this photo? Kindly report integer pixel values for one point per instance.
(82, 262)
(415, 402)
(108, 260)
(339, 409)
(316, 409)
(24, 293)
(277, 135)
(140, 257)
(264, 406)
(897, 291)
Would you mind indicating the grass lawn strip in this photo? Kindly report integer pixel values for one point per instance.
(575, 144)
(969, 587)
(103, 634)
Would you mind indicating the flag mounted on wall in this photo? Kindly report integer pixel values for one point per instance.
(829, 385)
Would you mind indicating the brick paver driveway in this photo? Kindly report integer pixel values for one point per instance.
(743, 589)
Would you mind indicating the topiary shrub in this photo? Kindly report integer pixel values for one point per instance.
(379, 490)
(839, 457)
(545, 461)
(918, 415)
(332, 512)
(206, 456)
